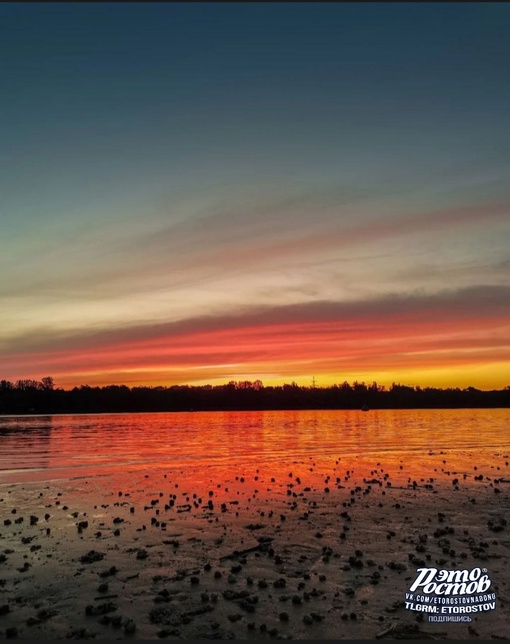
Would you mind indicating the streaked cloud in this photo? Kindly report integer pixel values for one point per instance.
(451, 328)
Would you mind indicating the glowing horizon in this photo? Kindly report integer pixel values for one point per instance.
(255, 192)
(387, 340)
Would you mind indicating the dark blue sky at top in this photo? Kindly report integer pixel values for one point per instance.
(211, 48)
(90, 88)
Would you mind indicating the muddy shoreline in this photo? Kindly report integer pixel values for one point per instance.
(323, 551)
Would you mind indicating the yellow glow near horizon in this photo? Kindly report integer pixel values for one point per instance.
(481, 376)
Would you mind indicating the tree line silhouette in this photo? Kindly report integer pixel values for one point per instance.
(42, 397)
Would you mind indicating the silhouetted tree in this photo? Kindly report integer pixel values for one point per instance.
(47, 383)
(32, 396)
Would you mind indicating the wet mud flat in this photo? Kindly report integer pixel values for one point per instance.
(307, 551)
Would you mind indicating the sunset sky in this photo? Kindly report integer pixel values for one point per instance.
(198, 193)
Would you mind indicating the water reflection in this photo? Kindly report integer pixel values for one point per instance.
(67, 446)
(25, 442)
(24, 424)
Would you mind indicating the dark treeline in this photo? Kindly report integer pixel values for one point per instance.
(42, 397)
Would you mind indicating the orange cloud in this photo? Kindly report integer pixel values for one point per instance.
(391, 335)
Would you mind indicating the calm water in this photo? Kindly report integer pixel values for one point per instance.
(44, 448)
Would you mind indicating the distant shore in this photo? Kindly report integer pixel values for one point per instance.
(34, 397)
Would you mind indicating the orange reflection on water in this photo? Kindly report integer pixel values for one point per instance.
(205, 448)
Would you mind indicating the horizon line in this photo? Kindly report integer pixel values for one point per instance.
(253, 384)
